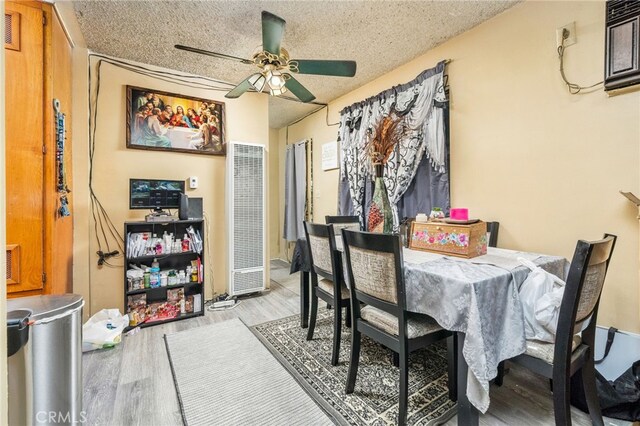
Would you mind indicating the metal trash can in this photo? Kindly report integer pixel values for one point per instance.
(44, 335)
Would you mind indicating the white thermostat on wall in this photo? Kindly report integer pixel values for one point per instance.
(193, 182)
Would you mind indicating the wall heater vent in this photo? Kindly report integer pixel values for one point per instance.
(246, 208)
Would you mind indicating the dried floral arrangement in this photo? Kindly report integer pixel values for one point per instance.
(383, 138)
(387, 133)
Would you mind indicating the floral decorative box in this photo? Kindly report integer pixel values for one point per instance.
(451, 239)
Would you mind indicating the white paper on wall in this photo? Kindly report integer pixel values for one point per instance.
(330, 155)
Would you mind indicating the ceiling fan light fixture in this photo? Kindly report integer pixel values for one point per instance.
(278, 92)
(257, 81)
(275, 80)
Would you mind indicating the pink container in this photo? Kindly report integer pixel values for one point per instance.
(459, 214)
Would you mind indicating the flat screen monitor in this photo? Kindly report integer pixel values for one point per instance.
(155, 194)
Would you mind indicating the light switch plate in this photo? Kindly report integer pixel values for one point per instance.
(193, 182)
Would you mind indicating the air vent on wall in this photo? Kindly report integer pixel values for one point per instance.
(622, 44)
(12, 30)
(7, 29)
(9, 275)
(13, 264)
(621, 9)
(246, 216)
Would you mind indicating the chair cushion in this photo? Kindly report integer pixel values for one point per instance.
(544, 350)
(417, 325)
(327, 285)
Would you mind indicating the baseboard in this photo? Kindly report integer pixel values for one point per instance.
(624, 351)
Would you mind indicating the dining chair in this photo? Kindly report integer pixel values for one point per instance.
(374, 267)
(572, 352)
(326, 263)
(492, 233)
(340, 222)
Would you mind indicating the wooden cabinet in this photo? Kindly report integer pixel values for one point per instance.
(37, 70)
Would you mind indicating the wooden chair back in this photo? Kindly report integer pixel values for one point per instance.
(341, 222)
(579, 307)
(322, 249)
(374, 268)
(492, 231)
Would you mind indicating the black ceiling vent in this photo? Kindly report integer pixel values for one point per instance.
(622, 44)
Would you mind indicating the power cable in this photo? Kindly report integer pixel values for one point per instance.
(574, 89)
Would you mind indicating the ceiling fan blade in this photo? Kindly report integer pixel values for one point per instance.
(322, 67)
(272, 32)
(239, 89)
(214, 54)
(299, 90)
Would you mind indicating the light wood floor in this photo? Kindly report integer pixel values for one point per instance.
(132, 383)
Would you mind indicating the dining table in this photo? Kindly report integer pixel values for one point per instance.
(476, 298)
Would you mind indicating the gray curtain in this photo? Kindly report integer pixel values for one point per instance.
(427, 190)
(295, 190)
(416, 176)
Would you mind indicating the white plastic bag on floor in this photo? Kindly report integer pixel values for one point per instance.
(103, 330)
(541, 295)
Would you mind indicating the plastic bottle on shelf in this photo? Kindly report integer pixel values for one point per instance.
(155, 274)
(186, 243)
(164, 279)
(172, 278)
(154, 280)
(168, 243)
(151, 245)
(147, 277)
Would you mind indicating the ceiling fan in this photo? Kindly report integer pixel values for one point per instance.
(275, 65)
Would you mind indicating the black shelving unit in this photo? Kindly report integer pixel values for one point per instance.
(175, 261)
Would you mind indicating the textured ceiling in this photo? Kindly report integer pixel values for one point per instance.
(378, 35)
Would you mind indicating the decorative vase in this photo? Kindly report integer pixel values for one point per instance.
(380, 218)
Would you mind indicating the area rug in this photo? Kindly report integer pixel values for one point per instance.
(225, 376)
(375, 400)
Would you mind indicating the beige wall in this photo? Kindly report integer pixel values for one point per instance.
(274, 195)
(3, 264)
(114, 164)
(283, 246)
(546, 164)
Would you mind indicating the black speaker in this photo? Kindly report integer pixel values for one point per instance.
(183, 212)
(195, 208)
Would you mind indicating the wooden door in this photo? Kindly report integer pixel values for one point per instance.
(24, 105)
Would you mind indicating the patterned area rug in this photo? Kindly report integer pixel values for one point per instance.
(375, 400)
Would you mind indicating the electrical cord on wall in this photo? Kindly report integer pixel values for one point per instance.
(101, 219)
(208, 250)
(574, 89)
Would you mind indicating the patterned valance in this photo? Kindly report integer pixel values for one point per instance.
(419, 103)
